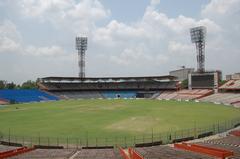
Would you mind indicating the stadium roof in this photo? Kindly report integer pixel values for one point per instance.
(107, 79)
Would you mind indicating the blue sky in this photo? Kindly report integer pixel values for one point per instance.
(132, 10)
(126, 38)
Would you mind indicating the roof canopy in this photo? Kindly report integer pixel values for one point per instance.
(106, 79)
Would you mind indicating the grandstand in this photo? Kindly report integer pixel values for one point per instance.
(3, 102)
(224, 98)
(25, 96)
(6, 148)
(97, 153)
(185, 94)
(162, 152)
(78, 94)
(107, 87)
(231, 85)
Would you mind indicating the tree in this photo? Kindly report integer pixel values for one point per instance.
(10, 85)
(2, 84)
(184, 84)
(29, 85)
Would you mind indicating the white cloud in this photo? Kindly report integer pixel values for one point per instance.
(45, 51)
(116, 32)
(33, 8)
(178, 48)
(8, 45)
(9, 37)
(154, 39)
(10, 41)
(155, 2)
(137, 57)
(221, 7)
(66, 14)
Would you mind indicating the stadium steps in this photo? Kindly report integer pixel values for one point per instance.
(96, 154)
(74, 155)
(156, 95)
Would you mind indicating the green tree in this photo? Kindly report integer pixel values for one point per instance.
(10, 85)
(184, 84)
(2, 84)
(29, 85)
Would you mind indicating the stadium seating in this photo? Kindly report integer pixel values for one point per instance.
(225, 98)
(97, 154)
(231, 85)
(92, 86)
(24, 96)
(119, 94)
(3, 102)
(230, 143)
(78, 94)
(163, 152)
(47, 154)
(185, 94)
(6, 148)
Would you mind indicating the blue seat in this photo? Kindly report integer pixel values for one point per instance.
(119, 94)
(25, 95)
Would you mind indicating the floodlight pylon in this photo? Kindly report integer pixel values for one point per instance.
(198, 36)
(81, 47)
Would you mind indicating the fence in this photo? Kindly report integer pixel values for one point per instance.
(123, 141)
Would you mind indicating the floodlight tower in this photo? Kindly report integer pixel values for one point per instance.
(198, 36)
(81, 47)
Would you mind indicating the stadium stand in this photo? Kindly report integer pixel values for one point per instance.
(24, 96)
(225, 98)
(230, 143)
(119, 94)
(78, 94)
(46, 154)
(97, 154)
(163, 152)
(143, 85)
(3, 102)
(15, 152)
(231, 85)
(6, 148)
(108, 87)
(185, 94)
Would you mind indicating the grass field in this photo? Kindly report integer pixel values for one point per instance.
(106, 118)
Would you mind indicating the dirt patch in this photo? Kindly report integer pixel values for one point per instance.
(135, 124)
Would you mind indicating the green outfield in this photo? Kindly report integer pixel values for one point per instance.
(108, 118)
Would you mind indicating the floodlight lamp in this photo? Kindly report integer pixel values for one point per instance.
(198, 34)
(81, 43)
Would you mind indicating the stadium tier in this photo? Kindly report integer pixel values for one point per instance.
(46, 154)
(231, 85)
(107, 87)
(225, 98)
(163, 152)
(229, 143)
(97, 154)
(78, 94)
(24, 96)
(6, 148)
(185, 94)
(119, 94)
(3, 102)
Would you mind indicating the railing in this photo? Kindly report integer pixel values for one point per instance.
(153, 138)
